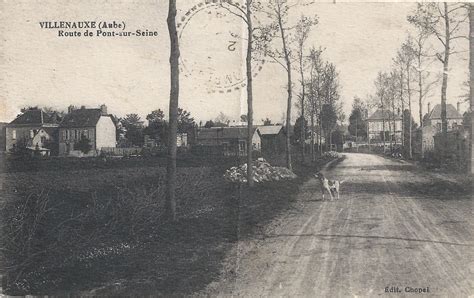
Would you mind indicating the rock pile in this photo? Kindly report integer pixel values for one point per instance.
(262, 171)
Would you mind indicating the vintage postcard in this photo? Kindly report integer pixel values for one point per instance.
(254, 148)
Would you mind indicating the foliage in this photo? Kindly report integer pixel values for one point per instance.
(133, 127)
(267, 121)
(298, 130)
(357, 124)
(185, 121)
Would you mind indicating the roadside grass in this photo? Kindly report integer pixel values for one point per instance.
(97, 228)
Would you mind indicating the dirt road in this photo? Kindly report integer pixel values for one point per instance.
(395, 227)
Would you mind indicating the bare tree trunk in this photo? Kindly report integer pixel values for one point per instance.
(444, 86)
(394, 115)
(420, 102)
(303, 126)
(289, 89)
(313, 155)
(249, 97)
(173, 111)
(471, 73)
(383, 127)
(403, 108)
(410, 151)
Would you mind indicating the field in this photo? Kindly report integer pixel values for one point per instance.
(89, 227)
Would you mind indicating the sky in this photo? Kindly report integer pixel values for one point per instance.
(131, 74)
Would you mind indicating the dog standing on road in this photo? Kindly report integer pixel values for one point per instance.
(331, 186)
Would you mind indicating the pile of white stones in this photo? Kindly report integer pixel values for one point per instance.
(262, 171)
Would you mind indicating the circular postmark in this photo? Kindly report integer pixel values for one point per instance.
(213, 45)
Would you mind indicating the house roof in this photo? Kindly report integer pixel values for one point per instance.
(81, 118)
(385, 115)
(223, 133)
(451, 112)
(36, 117)
(266, 130)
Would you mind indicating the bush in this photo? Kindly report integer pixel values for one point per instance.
(84, 145)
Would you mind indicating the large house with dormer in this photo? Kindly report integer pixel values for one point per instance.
(95, 125)
(34, 129)
(48, 133)
(380, 124)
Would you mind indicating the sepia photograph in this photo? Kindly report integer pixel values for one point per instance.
(236, 148)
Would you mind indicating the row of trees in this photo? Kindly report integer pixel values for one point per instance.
(437, 27)
(284, 44)
(131, 128)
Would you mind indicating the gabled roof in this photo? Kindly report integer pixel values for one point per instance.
(223, 133)
(385, 115)
(451, 112)
(267, 130)
(81, 118)
(35, 117)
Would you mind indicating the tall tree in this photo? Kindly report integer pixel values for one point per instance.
(303, 28)
(443, 21)
(357, 123)
(471, 74)
(133, 126)
(406, 59)
(278, 11)
(380, 96)
(173, 111)
(255, 43)
(316, 76)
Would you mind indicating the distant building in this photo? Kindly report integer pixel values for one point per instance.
(273, 138)
(453, 117)
(94, 124)
(432, 126)
(376, 129)
(3, 127)
(227, 140)
(33, 129)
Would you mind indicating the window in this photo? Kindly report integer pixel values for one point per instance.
(242, 146)
(32, 133)
(14, 134)
(64, 135)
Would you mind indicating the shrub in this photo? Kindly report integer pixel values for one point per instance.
(84, 145)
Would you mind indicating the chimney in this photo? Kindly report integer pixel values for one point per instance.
(83, 107)
(458, 107)
(429, 108)
(70, 109)
(103, 110)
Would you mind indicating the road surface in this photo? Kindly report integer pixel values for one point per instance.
(395, 228)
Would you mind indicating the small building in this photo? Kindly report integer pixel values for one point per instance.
(432, 126)
(32, 128)
(380, 124)
(95, 125)
(273, 138)
(453, 117)
(230, 141)
(3, 127)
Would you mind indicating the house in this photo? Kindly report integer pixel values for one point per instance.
(453, 117)
(432, 126)
(230, 141)
(273, 138)
(95, 125)
(33, 129)
(380, 123)
(2, 135)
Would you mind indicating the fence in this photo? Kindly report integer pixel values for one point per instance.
(112, 151)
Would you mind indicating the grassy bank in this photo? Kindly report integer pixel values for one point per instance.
(101, 230)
